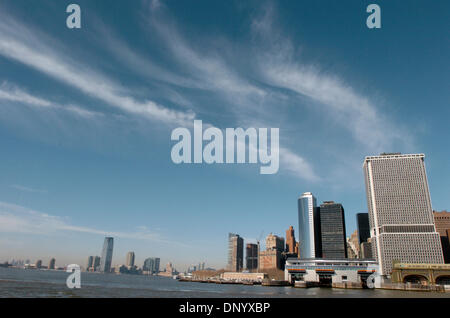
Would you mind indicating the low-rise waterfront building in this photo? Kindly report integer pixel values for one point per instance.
(424, 274)
(330, 271)
(235, 276)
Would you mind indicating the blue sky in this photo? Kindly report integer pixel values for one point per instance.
(86, 117)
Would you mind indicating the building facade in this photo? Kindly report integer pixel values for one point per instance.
(330, 271)
(362, 221)
(235, 252)
(251, 256)
(290, 240)
(107, 253)
(332, 230)
(51, 264)
(96, 264)
(400, 216)
(272, 257)
(442, 222)
(353, 249)
(308, 226)
(151, 265)
(90, 262)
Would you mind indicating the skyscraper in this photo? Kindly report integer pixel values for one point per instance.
(362, 221)
(235, 252)
(130, 259)
(290, 240)
(96, 264)
(51, 264)
(332, 230)
(151, 265)
(308, 226)
(107, 253)
(251, 256)
(400, 215)
(90, 262)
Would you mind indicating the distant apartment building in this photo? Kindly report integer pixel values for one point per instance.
(308, 227)
(251, 256)
(107, 253)
(274, 242)
(442, 222)
(362, 221)
(332, 230)
(96, 264)
(38, 264)
(400, 215)
(51, 264)
(151, 266)
(130, 259)
(235, 252)
(90, 262)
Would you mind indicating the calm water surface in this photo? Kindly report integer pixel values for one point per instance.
(41, 283)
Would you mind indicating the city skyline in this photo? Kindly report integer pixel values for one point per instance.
(82, 160)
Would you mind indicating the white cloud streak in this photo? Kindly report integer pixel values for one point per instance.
(18, 219)
(27, 189)
(19, 44)
(357, 113)
(14, 94)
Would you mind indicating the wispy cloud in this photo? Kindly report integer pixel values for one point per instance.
(279, 66)
(12, 93)
(18, 219)
(27, 189)
(19, 44)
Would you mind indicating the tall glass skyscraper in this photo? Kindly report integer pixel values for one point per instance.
(308, 226)
(107, 252)
(400, 215)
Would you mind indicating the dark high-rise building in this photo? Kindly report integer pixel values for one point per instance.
(332, 230)
(235, 252)
(90, 262)
(38, 263)
(251, 256)
(51, 264)
(107, 253)
(96, 264)
(362, 221)
(151, 265)
(290, 240)
(442, 222)
(130, 259)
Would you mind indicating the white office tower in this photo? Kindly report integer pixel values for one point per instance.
(400, 214)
